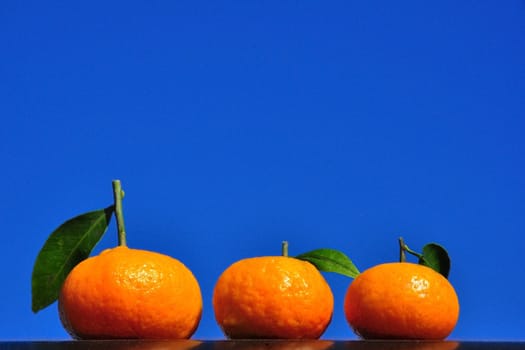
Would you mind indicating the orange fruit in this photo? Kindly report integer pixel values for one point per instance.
(401, 301)
(130, 293)
(272, 297)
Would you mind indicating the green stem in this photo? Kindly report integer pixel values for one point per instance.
(402, 255)
(404, 248)
(118, 194)
(284, 248)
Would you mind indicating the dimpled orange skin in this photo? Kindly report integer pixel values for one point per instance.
(130, 293)
(401, 301)
(272, 298)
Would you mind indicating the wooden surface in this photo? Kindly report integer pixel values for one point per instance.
(255, 345)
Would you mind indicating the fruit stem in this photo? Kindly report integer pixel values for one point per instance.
(402, 255)
(404, 248)
(118, 194)
(284, 248)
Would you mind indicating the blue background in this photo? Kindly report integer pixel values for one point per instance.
(235, 125)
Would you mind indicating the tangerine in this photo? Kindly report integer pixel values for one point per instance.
(272, 297)
(130, 293)
(401, 301)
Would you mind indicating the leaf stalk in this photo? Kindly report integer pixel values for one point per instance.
(404, 248)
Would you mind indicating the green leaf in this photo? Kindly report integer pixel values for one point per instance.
(436, 257)
(68, 245)
(330, 260)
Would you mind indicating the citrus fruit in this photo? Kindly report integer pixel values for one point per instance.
(401, 301)
(275, 297)
(130, 293)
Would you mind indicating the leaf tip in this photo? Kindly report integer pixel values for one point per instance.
(330, 260)
(436, 257)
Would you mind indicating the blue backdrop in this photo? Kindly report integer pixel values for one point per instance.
(235, 125)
